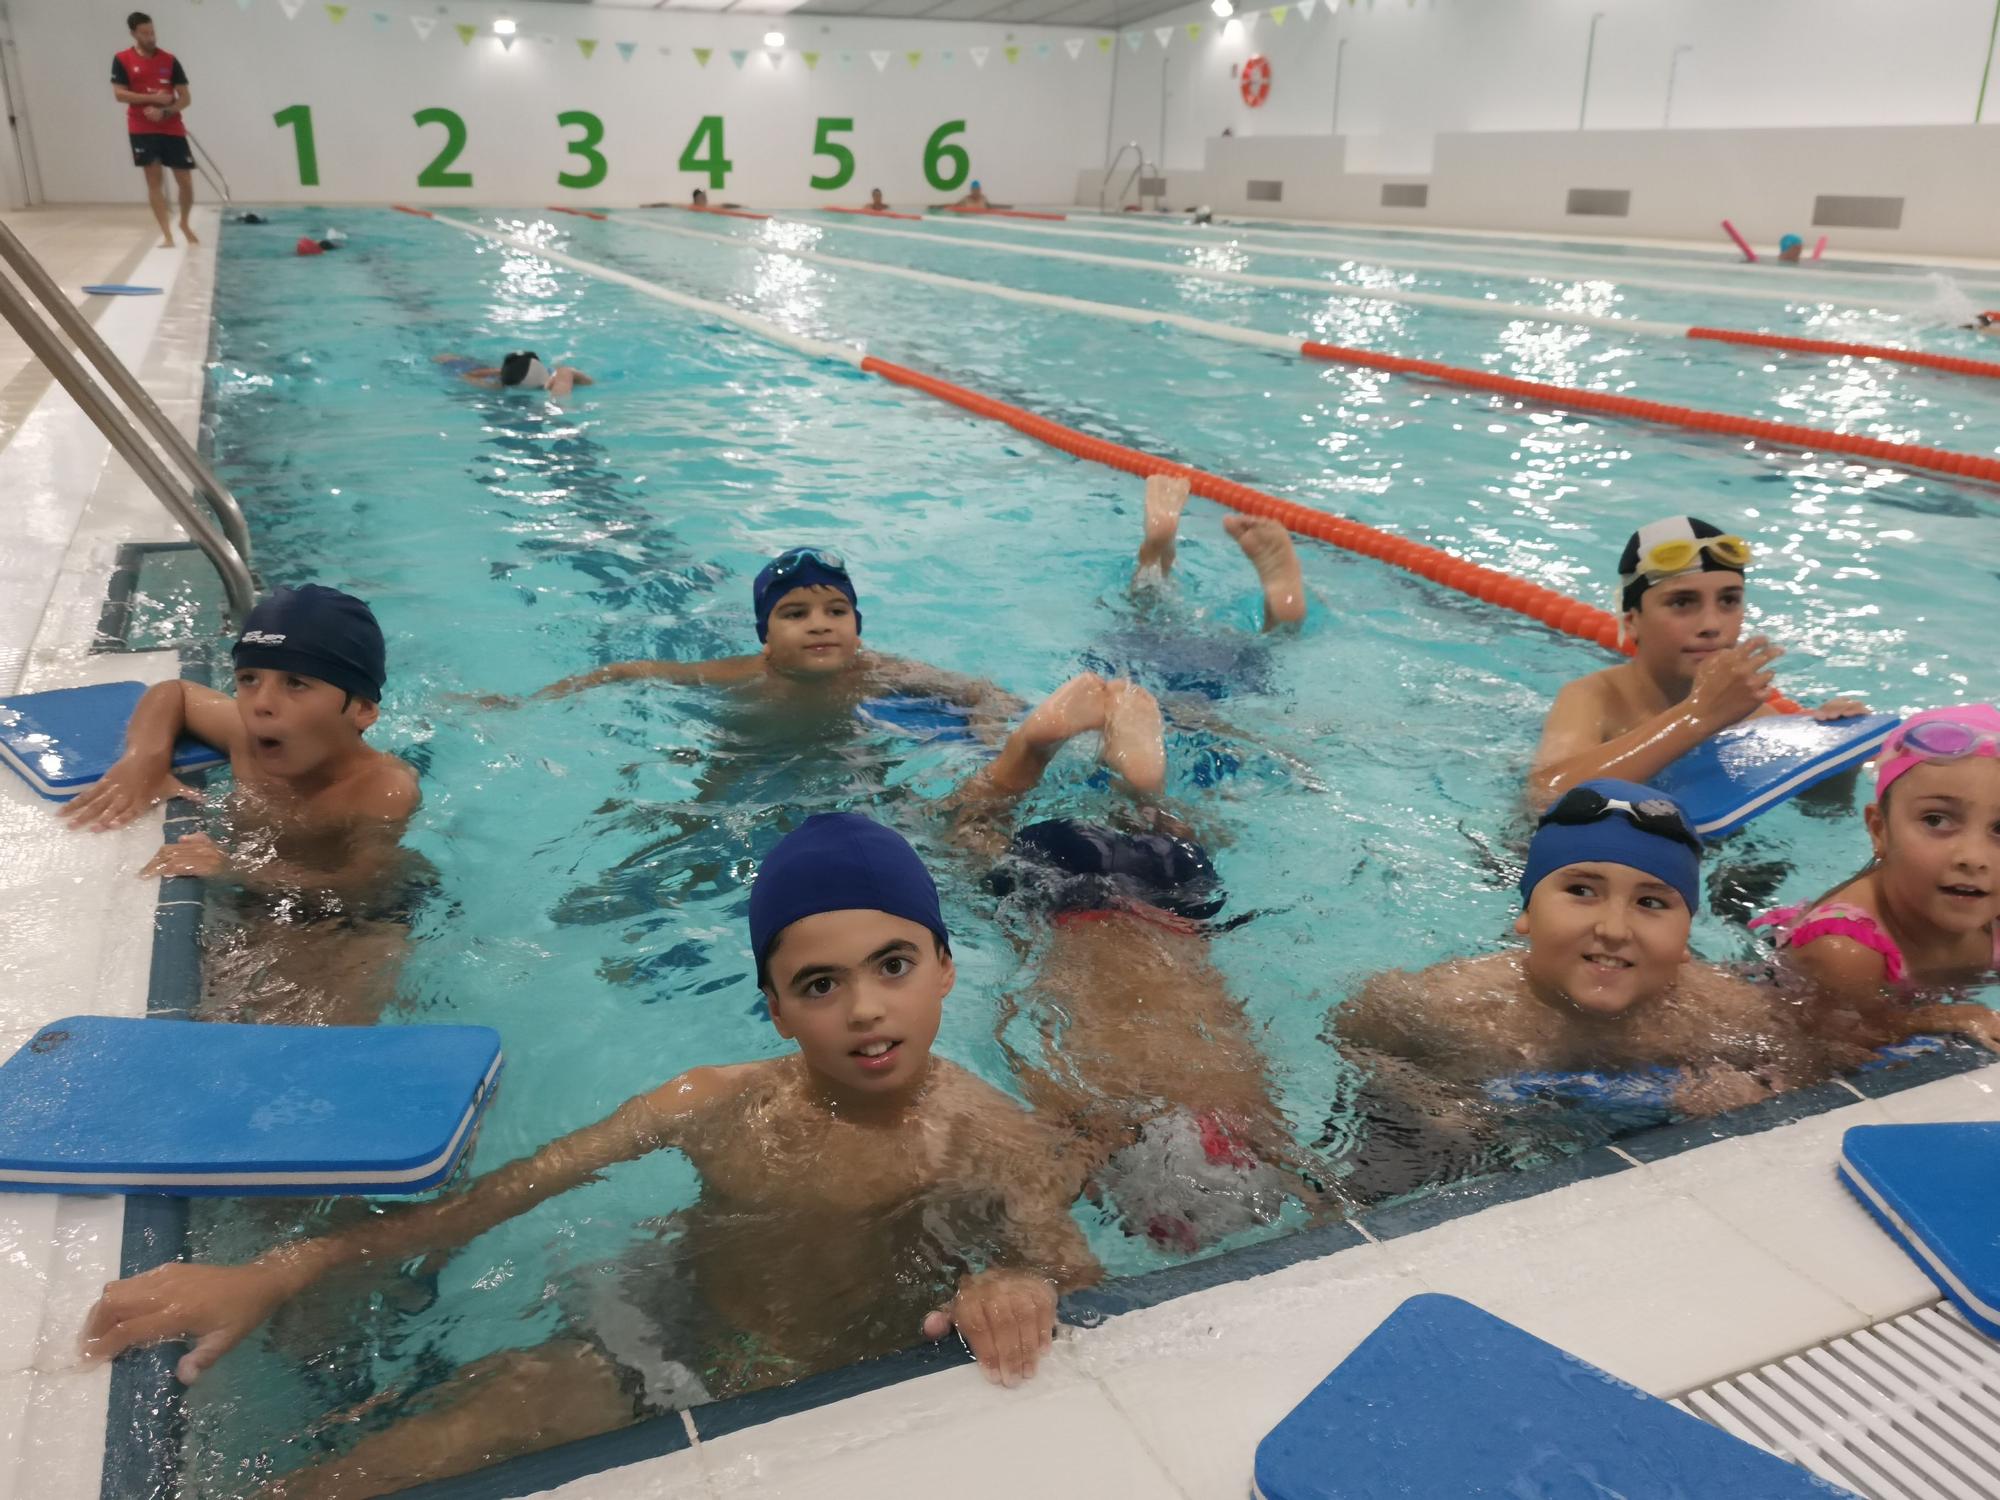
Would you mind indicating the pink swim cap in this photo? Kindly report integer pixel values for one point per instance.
(1938, 734)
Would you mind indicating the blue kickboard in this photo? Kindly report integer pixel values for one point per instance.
(102, 1104)
(119, 289)
(1444, 1400)
(63, 741)
(1751, 768)
(1936, 1190)
(928, 719)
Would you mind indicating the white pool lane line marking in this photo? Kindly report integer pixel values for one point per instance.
(1475, 305)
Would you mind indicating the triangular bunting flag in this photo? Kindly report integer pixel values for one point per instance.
(1134, 40)
(587, 45)
(546, 38)
(666, 52)
(1073, 45)
(291, 8)
(1194, 30)
(914, 57)
(1164, 35)
(775, 58)
(702, 55)
(847, 59)
(737, 55)
(1278, 14)
(422, 26)
(507, 42)
(1013, 54)
(1041, 49)
(381, 18)
(1306, 9)
(1104, 42)
(626, 49)
(465, 33)
(242, 4)
(812, 60)
(880, 59)
(944, 58)
(336, 13)
(978, 55)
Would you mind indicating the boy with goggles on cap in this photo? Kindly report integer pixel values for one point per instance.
(1605, 983)
(1680, 603)
(858, 1193)
(809, 621)
(315, 817)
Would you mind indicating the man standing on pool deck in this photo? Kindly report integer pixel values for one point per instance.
(153, 87)
(1680, 597)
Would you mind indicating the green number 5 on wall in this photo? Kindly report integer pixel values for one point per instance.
(843, 159)
(438, 173)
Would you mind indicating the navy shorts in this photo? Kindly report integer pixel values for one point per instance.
(166, 150)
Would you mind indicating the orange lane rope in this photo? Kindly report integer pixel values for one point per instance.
(1951, 362)
(875, 213)
(581, 213)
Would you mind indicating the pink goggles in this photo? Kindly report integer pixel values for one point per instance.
(1938, 734)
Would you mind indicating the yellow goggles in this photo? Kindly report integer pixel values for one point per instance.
(1665, 559)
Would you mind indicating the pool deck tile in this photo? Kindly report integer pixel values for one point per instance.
(16, 1394)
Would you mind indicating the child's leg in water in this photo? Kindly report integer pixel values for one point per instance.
(1269, 548)
(1135, 744)
(1166, 498)
(520, 1401)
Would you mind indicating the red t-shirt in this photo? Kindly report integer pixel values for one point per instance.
(157, 74)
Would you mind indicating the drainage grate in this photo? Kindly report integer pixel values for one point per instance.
(1906, 1410)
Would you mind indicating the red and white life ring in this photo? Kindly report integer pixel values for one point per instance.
(1255, 79)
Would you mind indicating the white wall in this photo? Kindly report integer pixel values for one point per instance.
(1413, 71)
(1030, 124)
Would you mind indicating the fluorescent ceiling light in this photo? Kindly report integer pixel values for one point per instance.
(774, 39)
(503, 27)
(1222, 7)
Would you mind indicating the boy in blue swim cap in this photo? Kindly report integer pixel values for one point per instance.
(1681, 583)
(1790, 249)
(316, 815)
(858, 1193)
(808, 618)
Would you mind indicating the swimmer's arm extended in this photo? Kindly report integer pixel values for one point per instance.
(218, 1306)
(719, 671)
(143, 775)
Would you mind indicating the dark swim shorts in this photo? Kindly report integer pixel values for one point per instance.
(1066, 866)
(167, 150)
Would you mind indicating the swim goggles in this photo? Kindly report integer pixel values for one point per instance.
(785, 564)
(1655, 815)
(1664, 559)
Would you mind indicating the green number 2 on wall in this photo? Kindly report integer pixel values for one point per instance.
(439, 174)
(593, 137)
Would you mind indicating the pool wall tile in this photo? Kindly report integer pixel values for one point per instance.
(532, 1473)
(1461, 1198)
(1667, 1140)
(721, 1417)
(1956, 1057)
(1124, 1294)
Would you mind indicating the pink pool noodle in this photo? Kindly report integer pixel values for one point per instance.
(1820, 248)
(1741, 243)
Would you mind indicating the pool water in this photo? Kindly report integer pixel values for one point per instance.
(593, 853)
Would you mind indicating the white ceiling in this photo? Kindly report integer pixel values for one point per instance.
(1095, 14)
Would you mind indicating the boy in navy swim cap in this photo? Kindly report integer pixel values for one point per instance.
(811, 660)
(1605, 982)
(316, 814)
(846, 1188)
(1680, 602)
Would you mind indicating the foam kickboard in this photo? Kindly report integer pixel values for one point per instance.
(104, 1104)
(63, 741)
(1751, 768)
(111, 289)
(1936, 1190)
(1445, 1400)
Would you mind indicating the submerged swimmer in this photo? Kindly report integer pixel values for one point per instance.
(1266, 543)
(1681, 584)
(1144, 1055)
(848, 1190)
(316, 814)
(522, 370)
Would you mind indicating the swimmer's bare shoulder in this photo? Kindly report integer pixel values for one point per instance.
(1585, 714)
(1408, 1012)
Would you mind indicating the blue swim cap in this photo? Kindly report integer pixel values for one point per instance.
(799, 568)
(316, 632)
(1791, 241)
(839, 862)
(1618, 823)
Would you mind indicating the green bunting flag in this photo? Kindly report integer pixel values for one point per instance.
(1194, 30)
(1104, 42)
(812, 60)
(702, 55)
(1278, 14)
(336, 13)
(914, 57)
(465, 33)
(586, 45)
(1013, 54)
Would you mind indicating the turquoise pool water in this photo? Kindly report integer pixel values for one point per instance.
(593, 854)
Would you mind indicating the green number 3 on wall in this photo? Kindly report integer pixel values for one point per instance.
(593, 137)
(438, 173)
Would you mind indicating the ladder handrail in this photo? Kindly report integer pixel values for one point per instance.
(127, 388)
(219, 544)
(1112, 166)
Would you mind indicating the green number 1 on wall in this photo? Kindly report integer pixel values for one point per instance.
(300, 118)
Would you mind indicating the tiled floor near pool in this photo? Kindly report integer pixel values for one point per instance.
(1671, 1263)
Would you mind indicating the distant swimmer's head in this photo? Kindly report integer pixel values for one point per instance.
(1190, 1180)
(310, 665)
(808, 616)
(1608, 895)
(1986, 322)
(1791, 247)
(1937, 841)
(700, 199)
(852, 952)
(1063, 865)
(525, 370)
(875, 198)
(1680, 593)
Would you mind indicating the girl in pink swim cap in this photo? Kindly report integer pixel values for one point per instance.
(1926, 910)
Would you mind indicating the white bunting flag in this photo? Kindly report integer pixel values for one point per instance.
(1164, 35)
(880, 59)
(291, 8)
(422, 26)
(1073, 46)
(1306, 8)
(978, 55)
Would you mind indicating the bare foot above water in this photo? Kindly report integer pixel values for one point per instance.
(1269, 548)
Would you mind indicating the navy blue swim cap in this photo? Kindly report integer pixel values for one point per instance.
(1073, 866)
(799, 568)
(1617, 823)
(839, 862)
(316, 632)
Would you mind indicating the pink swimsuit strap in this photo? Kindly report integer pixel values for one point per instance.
(1798, 926)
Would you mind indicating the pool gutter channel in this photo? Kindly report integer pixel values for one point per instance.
(146, 1418)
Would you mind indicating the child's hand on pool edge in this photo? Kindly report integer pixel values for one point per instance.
(215, 1306)
(195, 854)
(1006, 1318)
(134, 783)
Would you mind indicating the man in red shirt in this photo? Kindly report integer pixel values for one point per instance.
(153, 88)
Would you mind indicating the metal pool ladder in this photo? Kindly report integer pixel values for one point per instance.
(193, 496)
